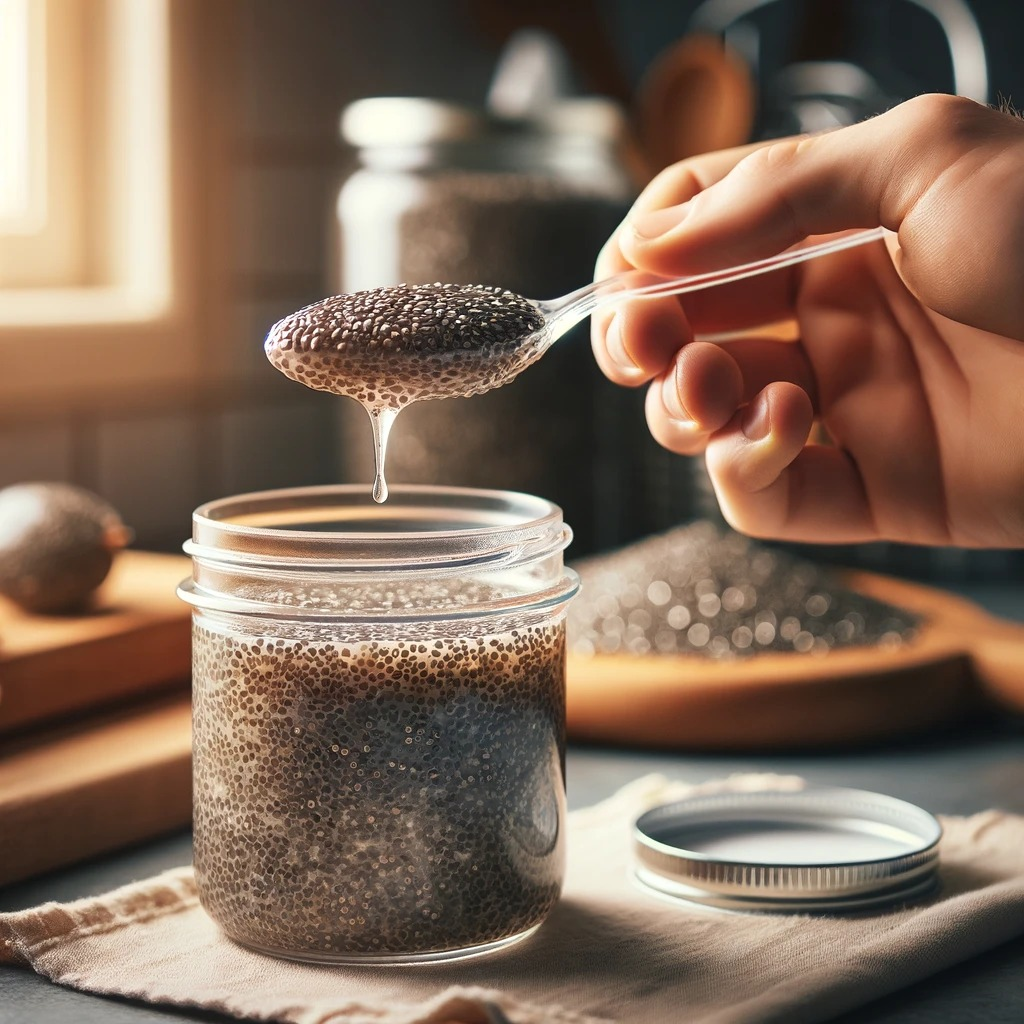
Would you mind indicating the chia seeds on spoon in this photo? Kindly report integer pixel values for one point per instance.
(388, 347)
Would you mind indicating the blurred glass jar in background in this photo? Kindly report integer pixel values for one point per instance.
(453, 194)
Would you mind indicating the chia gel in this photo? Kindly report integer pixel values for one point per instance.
(388, 347)
(378, 752)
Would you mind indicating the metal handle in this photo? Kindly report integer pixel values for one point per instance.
(957, 21)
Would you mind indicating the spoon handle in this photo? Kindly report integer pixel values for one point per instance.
(639, 284)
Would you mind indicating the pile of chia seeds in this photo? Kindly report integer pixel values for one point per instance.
(393, 346)
(712, 593)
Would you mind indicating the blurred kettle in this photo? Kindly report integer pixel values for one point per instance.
(814, 95)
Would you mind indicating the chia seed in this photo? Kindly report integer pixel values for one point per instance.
(711, 593)
(395, 791)
(388, 347)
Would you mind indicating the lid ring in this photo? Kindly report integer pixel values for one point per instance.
(820, 848)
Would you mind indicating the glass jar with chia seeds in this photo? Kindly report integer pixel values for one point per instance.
(379, 702)
(455, 194)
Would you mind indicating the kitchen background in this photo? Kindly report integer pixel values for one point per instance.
(267, 81)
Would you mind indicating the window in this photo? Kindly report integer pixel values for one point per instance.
(95, 251)
(86, 181)
(22, 156)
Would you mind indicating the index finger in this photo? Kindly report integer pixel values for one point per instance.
(672, 187)
(639, 353)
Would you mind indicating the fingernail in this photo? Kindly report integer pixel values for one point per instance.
(616, 347)
(659, 222)
(756, 421)
(671, 400)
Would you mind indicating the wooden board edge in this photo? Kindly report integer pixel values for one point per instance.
(784, 701)
(91, 676)
(53, 822)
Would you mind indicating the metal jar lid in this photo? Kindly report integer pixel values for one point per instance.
(820, 849)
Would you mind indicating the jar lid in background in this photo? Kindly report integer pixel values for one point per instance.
(820, 849)
(415, 121)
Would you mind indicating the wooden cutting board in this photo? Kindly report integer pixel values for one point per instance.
(961, 659)
(136, 639)
(94, 786)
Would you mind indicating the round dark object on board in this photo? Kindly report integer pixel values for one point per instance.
(57, 544)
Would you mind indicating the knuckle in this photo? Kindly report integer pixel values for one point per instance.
(669, 187)
(769, 159)
(934, 106)
(771, 171)
(937, 140)
(939, 117)
(674, 436)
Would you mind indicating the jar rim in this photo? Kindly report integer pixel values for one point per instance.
(420, 527)
(244, 547)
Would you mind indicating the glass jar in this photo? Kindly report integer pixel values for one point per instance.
(450, 193)
(379, 705)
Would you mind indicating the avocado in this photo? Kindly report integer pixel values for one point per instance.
(57, 544)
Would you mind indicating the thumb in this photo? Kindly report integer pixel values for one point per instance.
(945, 173)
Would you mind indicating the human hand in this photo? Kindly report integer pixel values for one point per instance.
(911, 356)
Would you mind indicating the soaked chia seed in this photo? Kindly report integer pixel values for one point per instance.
(388, 347)
(369, 796)
(704, 591)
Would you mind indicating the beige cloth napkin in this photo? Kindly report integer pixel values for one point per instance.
(609, 951)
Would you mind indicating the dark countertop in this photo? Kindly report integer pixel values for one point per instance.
(953, 774)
